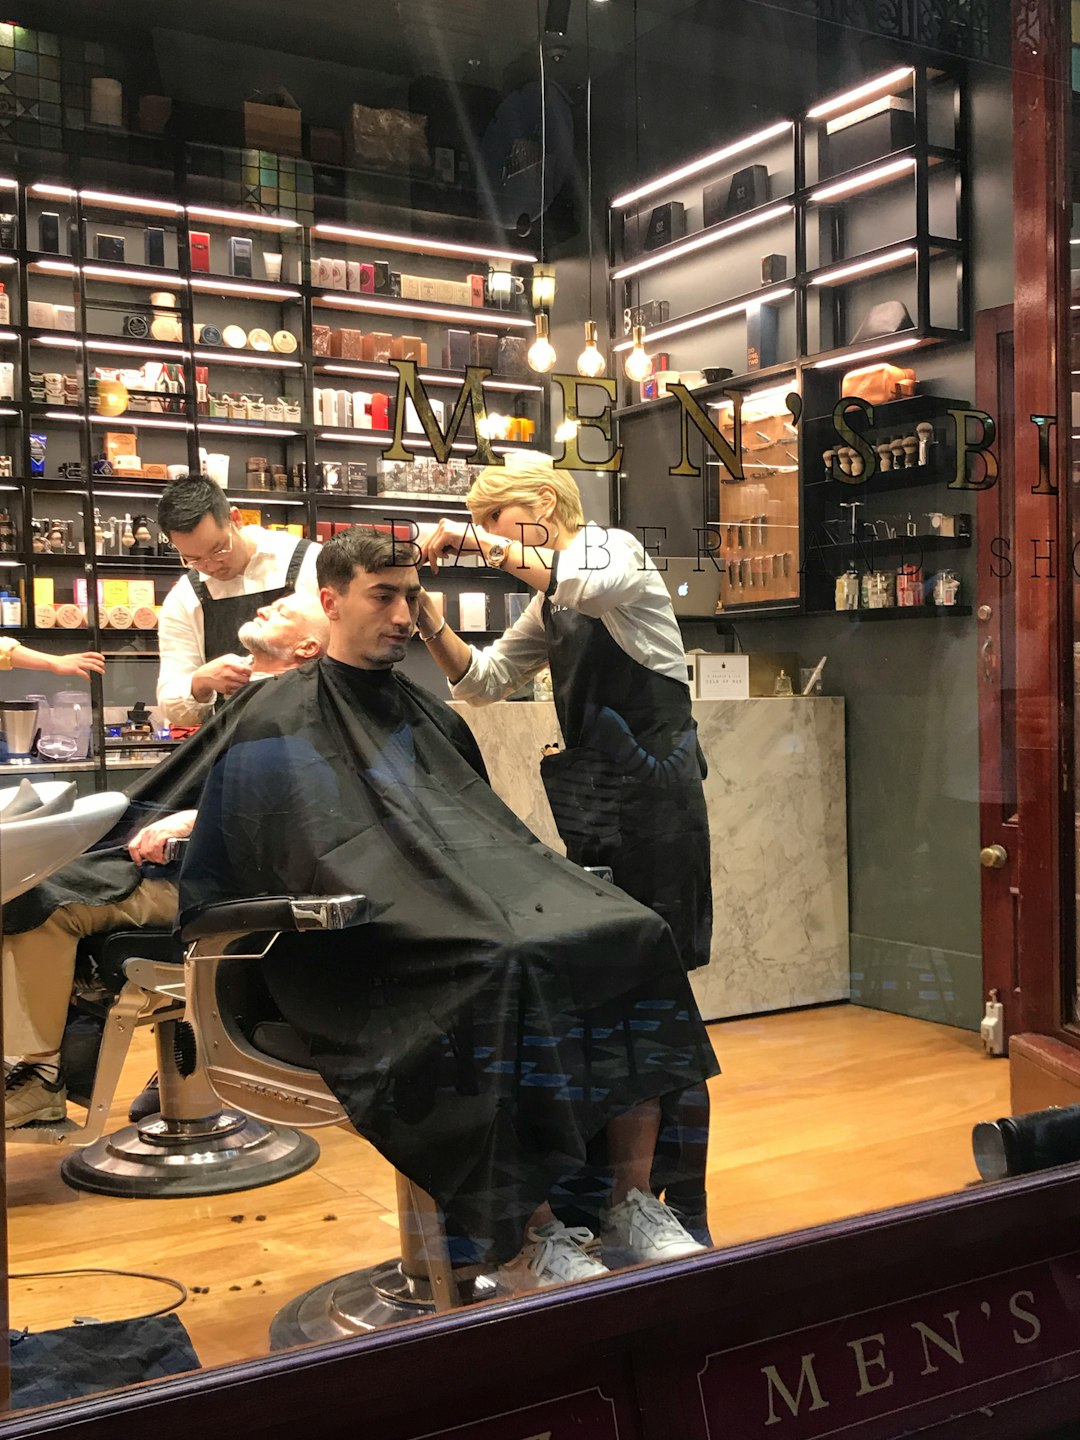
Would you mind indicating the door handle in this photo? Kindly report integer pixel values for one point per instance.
(993, 857)
(986, 652)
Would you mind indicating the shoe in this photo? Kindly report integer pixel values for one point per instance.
(30, 1096)
(697, 1227)
(146, 1103)
(644, 1228)
(552, 1255)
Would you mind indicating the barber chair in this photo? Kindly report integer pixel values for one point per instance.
(254, 1061)
(128, 979)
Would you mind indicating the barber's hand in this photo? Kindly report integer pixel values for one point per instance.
(428, 618)
(148, 846)
(81, 665)
(450, 537)
(223, 676)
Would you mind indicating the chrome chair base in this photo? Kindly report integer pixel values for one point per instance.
(164, 1159)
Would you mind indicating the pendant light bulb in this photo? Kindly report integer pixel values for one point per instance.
(590, 362)
(541, 352)
(638, 366)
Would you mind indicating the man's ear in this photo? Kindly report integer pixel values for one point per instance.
(328, 598)
(235, 518)
(308, 649)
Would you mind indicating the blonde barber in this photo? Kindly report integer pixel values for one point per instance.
(626, 791)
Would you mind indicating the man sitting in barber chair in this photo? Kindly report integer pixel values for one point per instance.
(502, 1006)
(122, 883)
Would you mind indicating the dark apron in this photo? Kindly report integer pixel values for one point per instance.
(626, 791)
(222, 618)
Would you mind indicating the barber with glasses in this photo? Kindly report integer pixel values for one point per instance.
(233, 570)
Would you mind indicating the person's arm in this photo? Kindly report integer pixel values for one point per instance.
(147, 846)
(482, 676)
(524, 560)
(187, 683)
(16, 656)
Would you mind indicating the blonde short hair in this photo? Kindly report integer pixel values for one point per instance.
(518, 482)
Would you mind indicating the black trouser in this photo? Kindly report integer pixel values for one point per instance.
(678, 1170)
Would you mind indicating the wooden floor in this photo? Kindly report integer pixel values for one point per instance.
(818, 1115)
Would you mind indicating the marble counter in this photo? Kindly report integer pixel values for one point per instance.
(776, 794)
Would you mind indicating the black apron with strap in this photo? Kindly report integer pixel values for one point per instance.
(222, 618)
(626, 791)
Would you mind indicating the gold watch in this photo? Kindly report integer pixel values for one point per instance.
(496, 556)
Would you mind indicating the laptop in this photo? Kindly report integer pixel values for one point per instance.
(694, 586)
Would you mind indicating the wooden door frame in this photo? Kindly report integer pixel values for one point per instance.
(1041, 122)
(995, 627)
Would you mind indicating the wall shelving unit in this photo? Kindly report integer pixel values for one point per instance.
(846, 230)
(93, 300)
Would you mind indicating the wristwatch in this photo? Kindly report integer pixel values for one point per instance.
(496, 556)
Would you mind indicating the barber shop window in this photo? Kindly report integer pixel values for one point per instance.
(509, 546)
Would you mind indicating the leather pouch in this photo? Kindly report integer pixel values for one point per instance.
(878, 384)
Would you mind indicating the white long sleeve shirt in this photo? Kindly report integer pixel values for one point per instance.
(607, 575)
(180, 625)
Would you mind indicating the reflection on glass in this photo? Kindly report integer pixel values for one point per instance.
(460, 974)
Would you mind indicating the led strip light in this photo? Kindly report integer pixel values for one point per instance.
(387, 239)
(850, 98)
(723, 313)
(368, 372)
(699, 242)
(704, 162)
(865, 181)
(333, 300)
(849, 355)
(865, 267)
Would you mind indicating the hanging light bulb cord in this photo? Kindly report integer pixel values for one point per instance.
(637, 124)
(543, 131)
(588, 150)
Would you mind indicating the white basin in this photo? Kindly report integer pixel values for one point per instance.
(33, 848)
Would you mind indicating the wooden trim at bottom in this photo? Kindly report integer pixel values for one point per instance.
(929, 1319)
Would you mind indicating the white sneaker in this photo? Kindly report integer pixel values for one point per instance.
(552, 1255)
(644, 1228)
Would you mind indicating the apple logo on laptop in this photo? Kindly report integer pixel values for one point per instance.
(684, 588)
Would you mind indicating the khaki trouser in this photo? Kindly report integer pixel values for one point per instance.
(39, 966)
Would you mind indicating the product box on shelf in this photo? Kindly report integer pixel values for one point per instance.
(456, 350)
(484, 348)
(424, 477)
(516, 603)
(387, 139)
(473, 610)
(276, 128)
(325, 146)
(347, 344)
(376, 346)
(408, 347)
(868, 133)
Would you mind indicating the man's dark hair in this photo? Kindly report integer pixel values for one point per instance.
(188, 500)
(360, 547)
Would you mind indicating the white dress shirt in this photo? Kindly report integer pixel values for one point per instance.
(180, 624)
(607, 575)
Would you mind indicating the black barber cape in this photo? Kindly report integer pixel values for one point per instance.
(106, 874)
(500, 1006)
